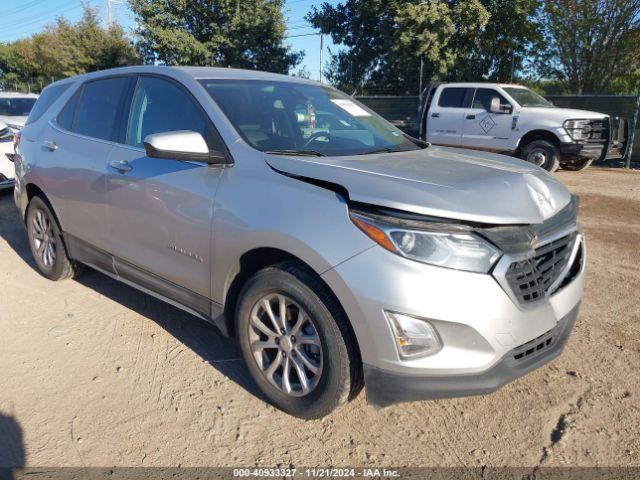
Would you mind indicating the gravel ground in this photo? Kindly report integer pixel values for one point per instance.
(93, 373)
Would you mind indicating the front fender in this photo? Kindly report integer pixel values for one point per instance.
(257, 207)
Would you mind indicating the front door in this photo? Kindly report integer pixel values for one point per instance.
(484, 129)
(161, 210)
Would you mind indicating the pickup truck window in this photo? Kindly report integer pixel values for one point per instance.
(527, 98)
(455, 97)
(483, 96)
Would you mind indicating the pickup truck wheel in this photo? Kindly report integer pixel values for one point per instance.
(541, 153)
(577, 165)
(295, 342)
(46, 243)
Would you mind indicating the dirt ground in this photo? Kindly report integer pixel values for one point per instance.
(93, 373)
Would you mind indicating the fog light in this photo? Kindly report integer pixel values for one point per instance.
(415, 337)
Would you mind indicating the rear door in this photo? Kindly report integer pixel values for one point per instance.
(73, 157)
(161, 210)
(483, 129)
(444, 121)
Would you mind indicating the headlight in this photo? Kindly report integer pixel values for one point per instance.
(432, 244)
(415, 337)
(578, 129)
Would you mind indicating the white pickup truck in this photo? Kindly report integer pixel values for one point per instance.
(514, 120)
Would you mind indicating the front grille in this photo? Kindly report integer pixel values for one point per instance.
(597, 131)
(530, 279)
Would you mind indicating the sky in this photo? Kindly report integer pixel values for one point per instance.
(22, 18)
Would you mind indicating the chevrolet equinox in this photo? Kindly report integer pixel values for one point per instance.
(338, 251)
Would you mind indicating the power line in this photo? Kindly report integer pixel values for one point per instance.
(42, 16)
(303, 35)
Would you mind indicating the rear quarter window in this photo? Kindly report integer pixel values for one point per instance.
(46, 99)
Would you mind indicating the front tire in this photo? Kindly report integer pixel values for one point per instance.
(541, 153)
(296, 342)
(46, 243)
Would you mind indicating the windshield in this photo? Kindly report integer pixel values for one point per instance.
(16, 107)
(527, 98)
(288, 117)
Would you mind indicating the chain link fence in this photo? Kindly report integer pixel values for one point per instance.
(403, 110)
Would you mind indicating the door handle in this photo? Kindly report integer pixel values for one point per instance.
(122, 166)
(470, 117)
(435, 115)
(49, 145)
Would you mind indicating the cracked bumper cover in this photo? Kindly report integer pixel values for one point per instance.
(386, 388)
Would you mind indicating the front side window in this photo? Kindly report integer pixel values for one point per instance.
(527, 98)
(98, 108)
(483, 97)
(296, 117)
(162, 106)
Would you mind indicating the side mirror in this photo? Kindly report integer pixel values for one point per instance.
(497, 107)
(182, 145)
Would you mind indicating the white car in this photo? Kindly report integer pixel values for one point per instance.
(513, 120)
(14, 110)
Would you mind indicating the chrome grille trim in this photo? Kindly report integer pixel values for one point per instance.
(534, 276)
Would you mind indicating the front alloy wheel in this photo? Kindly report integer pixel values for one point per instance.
(296, 341)
(285, 345)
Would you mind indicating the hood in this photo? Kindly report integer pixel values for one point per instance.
(13, 121)
(441, 182)
(564, 113)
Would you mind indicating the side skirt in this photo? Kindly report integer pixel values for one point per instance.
(147, 282)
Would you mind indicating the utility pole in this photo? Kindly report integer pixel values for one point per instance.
(110, 17)
(631, 135)
(321, 49)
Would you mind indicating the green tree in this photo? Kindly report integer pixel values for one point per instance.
(234, 33)
(64, 49)
(384, 40)
(503, 46)
(591, 46)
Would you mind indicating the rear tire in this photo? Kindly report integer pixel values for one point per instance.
(541, 153)
(46, 243)
(577, 165)
(314, 344)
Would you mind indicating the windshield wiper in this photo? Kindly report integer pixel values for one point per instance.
(306, 153)
(382, 150)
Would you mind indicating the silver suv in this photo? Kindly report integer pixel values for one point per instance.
(338, 251)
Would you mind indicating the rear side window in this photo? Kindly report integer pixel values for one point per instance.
(46, 99)
(98, 108)
(483, 96)
(455, 97)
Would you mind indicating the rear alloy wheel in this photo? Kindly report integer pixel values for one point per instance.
(46, 242)
(296, 341)
(542, 153)
(577, 165)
